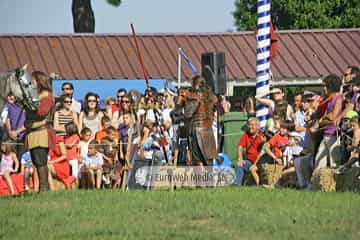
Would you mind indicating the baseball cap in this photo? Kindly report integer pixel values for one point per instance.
(295, 135)
(350, 114)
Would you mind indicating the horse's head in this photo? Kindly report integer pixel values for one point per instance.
(24, 88)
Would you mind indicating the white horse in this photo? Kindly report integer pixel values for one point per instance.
(19, 83)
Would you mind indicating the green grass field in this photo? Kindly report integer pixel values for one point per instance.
(223, 213)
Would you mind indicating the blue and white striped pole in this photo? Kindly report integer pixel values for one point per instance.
(263, 58)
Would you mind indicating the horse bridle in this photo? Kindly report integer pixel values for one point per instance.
(28, 103)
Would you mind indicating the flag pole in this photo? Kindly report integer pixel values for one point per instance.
(179, 68)
(140, 56)
(263, 58)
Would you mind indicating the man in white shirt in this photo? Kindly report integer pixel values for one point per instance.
(68, 89)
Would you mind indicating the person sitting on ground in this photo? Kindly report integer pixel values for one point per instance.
(8, 160)
(28, 170)
(249, 148)
(354, 155)
(276, 145)
(93, 164)
(59, 165)
(273, 150)
(72, 145)
(292, 150)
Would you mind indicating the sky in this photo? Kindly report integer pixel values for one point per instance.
(148, 16)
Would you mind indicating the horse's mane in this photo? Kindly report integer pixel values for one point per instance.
(4, 86)
(9, 83)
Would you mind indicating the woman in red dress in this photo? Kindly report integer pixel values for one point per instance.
(59, 165)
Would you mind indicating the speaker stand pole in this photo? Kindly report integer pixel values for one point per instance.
(218, 123)
(179, 68)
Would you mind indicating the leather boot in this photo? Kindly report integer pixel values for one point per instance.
(43, 179)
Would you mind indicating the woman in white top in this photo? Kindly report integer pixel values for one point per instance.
(91, 116)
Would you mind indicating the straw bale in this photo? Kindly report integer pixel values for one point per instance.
(324, 180)
(270, 174)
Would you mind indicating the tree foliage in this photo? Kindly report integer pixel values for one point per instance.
(301, 14)
(83, 15)
(115, 3)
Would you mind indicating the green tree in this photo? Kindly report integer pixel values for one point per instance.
(301, 14)
(83, 15)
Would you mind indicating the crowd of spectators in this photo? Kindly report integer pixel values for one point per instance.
(319, 130)
(316, 131)
(93, 144)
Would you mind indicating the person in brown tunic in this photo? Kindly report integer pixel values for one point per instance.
(199, 115)
(41, 135)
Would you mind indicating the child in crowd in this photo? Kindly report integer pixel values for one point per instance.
(272, 125)
(292, 150)
(8, 160)
(129, 135)
(354, 148)
(152, 146)
(85, 135)
(28, 171)
(109, 148)
(105, 123)
(93, 164)
(273, 149)
(72, 144)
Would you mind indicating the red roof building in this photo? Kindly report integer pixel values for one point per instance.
(303, 57)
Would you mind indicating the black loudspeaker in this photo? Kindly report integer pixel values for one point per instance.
(213, 70)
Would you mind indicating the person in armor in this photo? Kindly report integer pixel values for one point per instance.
(199, 115)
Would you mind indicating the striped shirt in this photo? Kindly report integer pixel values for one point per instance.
(64, 119)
